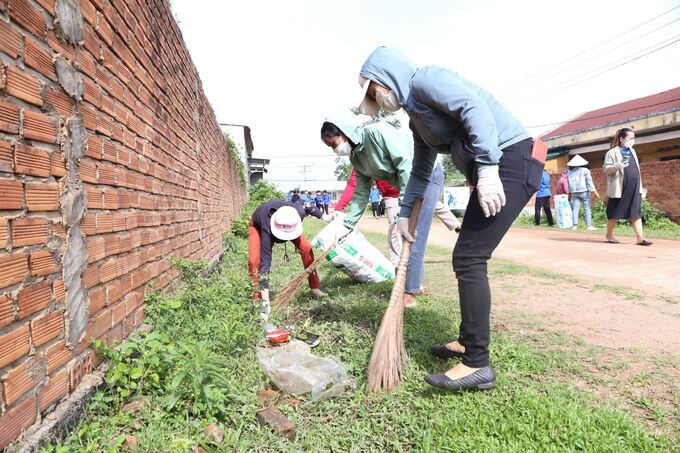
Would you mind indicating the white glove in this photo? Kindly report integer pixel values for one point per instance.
(337, 214)
(402, 229)
(266, 306)
(327, 217)
(490, 190)
(316, 292)
(620, 166)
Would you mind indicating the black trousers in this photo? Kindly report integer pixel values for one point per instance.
(375, 207)
(543, 203)
(479, 237)
(325, 208)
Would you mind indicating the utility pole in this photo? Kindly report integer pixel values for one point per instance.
(304, 171)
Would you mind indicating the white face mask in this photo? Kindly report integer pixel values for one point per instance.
(628, 143)
(387, 102)
(343, 149)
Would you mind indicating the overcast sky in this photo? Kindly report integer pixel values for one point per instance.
(281, 67)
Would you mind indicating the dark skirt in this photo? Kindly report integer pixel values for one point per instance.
(629, 206)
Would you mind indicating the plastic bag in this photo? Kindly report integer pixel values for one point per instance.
(297, 371)
(354, 255)
(563, 211)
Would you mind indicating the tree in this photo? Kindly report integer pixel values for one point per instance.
(343, 169)
(382, 115)
(453, 176)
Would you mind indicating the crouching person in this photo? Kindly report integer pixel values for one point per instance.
(276, 222)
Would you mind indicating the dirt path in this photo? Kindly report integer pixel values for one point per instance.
(624, 297)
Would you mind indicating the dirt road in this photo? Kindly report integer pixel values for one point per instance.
(624, 296)
(654, 269)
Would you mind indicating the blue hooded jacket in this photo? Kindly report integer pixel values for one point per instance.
(448, 114)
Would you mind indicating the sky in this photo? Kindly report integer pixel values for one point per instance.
(282, 67)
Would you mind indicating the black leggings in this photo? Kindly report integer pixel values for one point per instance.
(542, 203)
(479, 237)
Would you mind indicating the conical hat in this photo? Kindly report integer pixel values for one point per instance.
(577, 161)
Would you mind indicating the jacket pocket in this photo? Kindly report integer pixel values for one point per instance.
(533, 171)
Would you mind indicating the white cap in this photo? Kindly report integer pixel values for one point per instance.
(577, 161)
(368, 106)
(286, 223)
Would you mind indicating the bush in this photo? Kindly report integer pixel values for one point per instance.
(261, 192)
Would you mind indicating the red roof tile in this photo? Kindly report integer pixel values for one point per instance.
(620, 113)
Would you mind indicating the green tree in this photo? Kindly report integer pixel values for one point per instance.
(454, 177)
(382, 115)
(343, 168)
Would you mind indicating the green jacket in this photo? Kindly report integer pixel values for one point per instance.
(381, 152)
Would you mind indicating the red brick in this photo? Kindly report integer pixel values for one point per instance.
(57, 165)
(59, 102)
(29, 231)
(13, 268)
(94, 147)
(42, 263)
(59, 46)
(86, 63)
(59, 291)
(48, 5)
(108, 270)
(38, 126)
(89, 116)
(42, 196)
(6, 157)
(6, 311)
(97, 300)
(9, 116)
(91, 276)
(91, 92)
(21, 379)
(16, 420)
(89, 12)
(57, 355)
(33, 298)
(55, 389)
(27, 16)
(111, 200)
(102, 323)
(11, 194)
(95, 249)
(111, 245)
(14, 345)
(57, 229)
(94, 198)
(36, 57)
(31, 161)
(47, 327)
(104, 30)
(118, 313)
(104, 223)
(89, 226)
(23, 86)
(10, 41)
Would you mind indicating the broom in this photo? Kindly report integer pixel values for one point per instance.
(290, 291)
(389, 359)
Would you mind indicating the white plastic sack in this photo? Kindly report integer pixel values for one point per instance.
(295, 370)
(563, 211)
(354, 255)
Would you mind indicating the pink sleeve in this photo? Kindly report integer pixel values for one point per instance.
(348, 193)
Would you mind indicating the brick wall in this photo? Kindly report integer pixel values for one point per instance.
(661, 179)
(110, 159)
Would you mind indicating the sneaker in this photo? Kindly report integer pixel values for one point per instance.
(574, 227)
(591, 228)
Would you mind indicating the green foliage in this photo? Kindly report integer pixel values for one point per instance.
(343, 169)
(207, 371)
(452, 176)
(261, 192)
(233, 149)
(382, 115)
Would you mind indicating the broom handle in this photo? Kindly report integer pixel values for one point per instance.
(415, 213)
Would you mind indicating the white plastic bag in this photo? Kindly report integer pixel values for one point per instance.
(563, 211)
(354, 255)
(295, 370)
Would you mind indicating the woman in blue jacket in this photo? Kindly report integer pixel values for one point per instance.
(449, 114)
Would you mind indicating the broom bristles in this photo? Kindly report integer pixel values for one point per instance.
(389, 359)
(290, 291)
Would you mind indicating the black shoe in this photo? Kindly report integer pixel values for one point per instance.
(482, 379)
(442, 352)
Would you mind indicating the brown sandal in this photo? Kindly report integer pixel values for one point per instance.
(645, 242)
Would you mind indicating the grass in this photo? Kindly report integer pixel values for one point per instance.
(536, 406)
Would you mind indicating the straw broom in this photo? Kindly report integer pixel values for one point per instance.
(389, 359)
(289, 292)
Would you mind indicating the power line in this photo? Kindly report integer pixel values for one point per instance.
(520, 87)
(604, 115)
(590, 49)
(555, 89)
